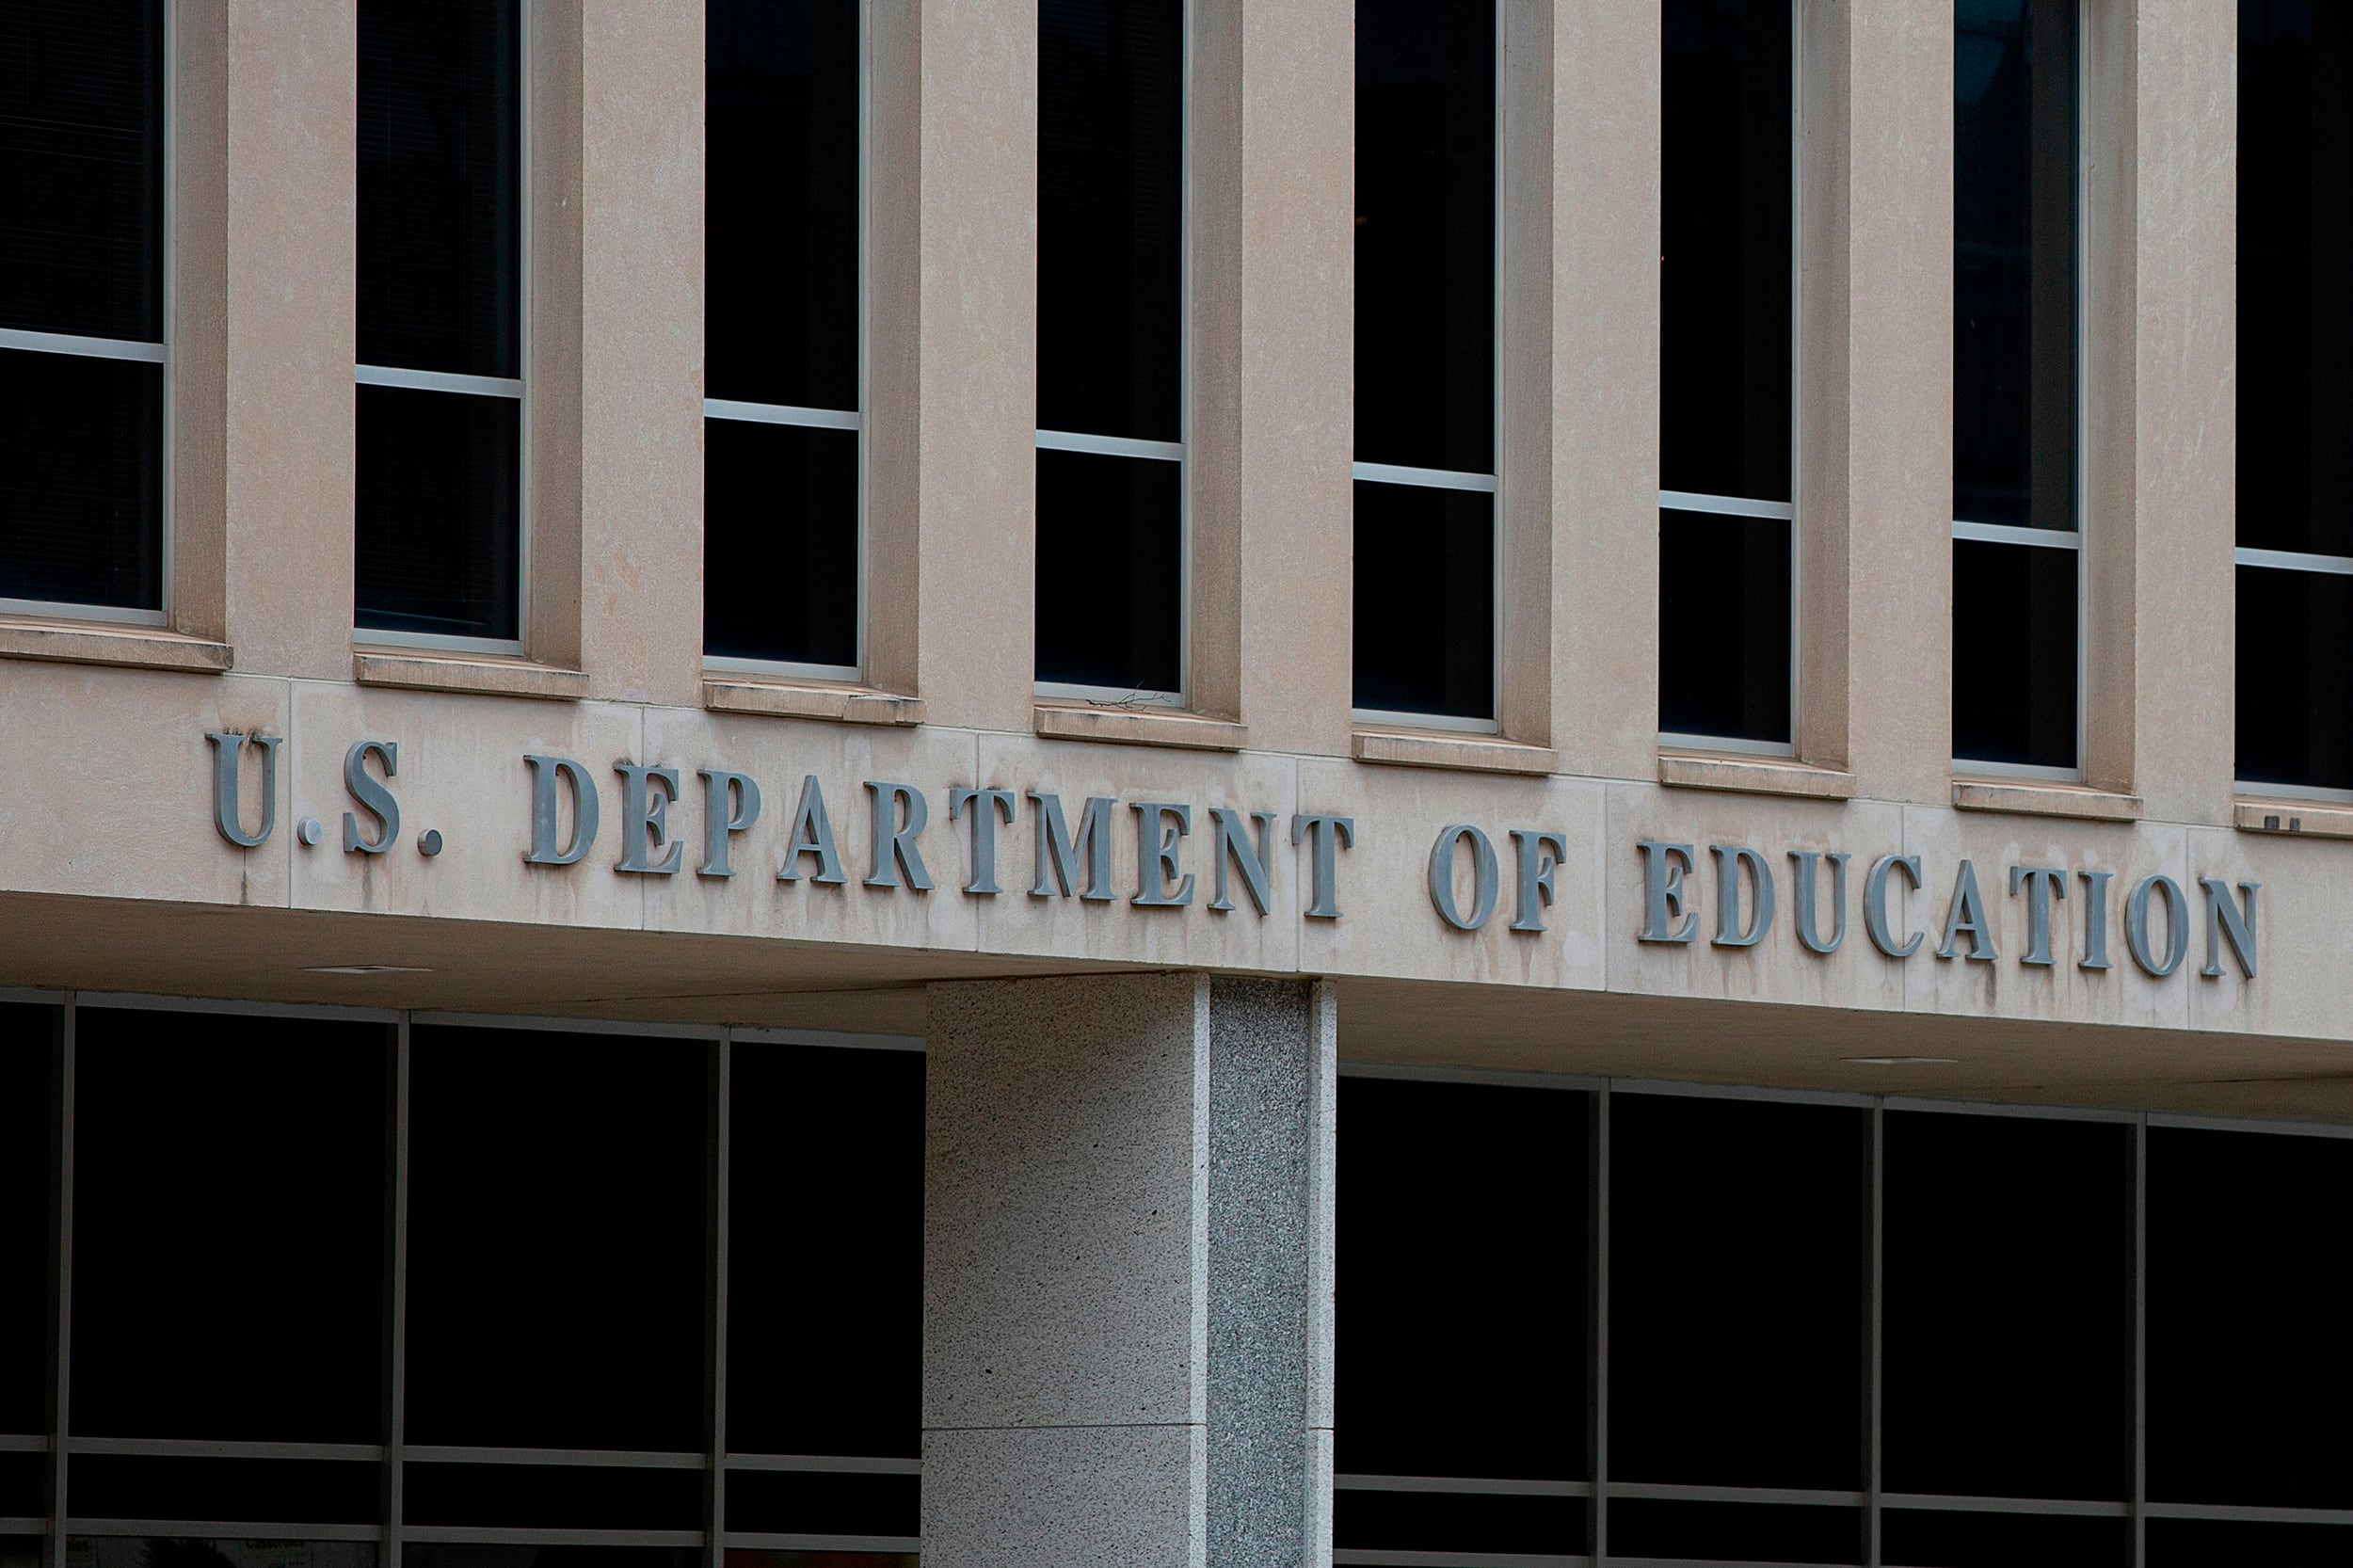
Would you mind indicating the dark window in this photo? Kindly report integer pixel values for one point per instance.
(826, 1352)
(228, 1241)
(28, 1050)
(1724, 370)
(2014, 378)
(2250, 1374)
(1425, 557)
(82, 302)
(2294, 394)
(1714, 1382)
(781, 170)
(1110, 345)
(1462, 1317)
(2008, 1290)
(438, 497)
(556, 1202)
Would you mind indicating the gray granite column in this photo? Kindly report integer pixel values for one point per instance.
(1128, 1273)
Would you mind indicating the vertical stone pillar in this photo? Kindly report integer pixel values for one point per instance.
(1127, 1273)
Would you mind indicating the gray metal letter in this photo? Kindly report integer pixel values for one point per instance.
(225, 759)
(1159, 825)
(545, 771)
(1729, 859)
(811, 834)
(1808, 908)
(1536, 868)
(2224, 918)
(372, 795)
(894, 847)
(2176, 924)
(648, 828)
(1060, 851)
(1326, 836)
(1231, 848)
(2042, 885)
(1664, 867)
(2095, 919)
(1483, 877)
(987, 805)
(730, 805)
(1875, 904)
(1967, 913)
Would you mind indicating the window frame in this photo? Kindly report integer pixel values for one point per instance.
(158, 353)
(515, 387)
(1489, 484)
(2075, 539)
(853, 420)
(1785, 511)
(1178, 451)
(2310, 564)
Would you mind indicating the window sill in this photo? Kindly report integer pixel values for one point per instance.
(1139, 726)
(128, 647)
(2045, 800)
(1480, 754)
(477, 676)
(842, 704)
(1685, 770)
(2295, 817)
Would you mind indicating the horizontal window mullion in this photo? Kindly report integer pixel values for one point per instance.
(758, 1541)
(499, 1535)
(438, 380)
(617, 1459)
(843, 1464)
(1110, 446)
(1646, 1492)
(2294, 560)
(1683, 740)
(1426, 479)
(223, 1530)
(82, 347)
(781, 413)
(1465, 1486)
(2250, 1513)
(1930, 1502)
(1726, 505)
(184, 1448)
(2003, 533)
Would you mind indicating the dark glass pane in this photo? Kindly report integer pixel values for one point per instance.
(2014, 653)
(286, 1492)
(2202, 1542)
(1724, 646)
(1724, 286)
(82, 167)
(29, 1038)
(2007, 1305)
(781, 201)
(228, 1228)
(1111, 216)
(1463, 1283)
(2296, 276)
(1426, 233)
(23, 1495)
(439, 529)
(81, 480)
(803, 1502)
(1733, 1532)
(1922, 1540)
(440, 93)
(548, 1498)
(556, 1252)
(2014, 224)
(781, 549)
(1457, 1522)
(1707, 1197)
(1110, 571)
(416, 1554)
(2295, 678)
(2250, 1373)
(825, 1252)
(124, 1551)
(1425, 600)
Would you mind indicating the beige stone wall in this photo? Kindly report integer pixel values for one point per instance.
(107, 768)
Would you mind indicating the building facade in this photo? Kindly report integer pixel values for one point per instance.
(769, 772)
